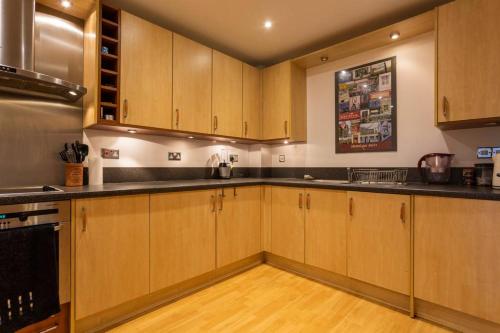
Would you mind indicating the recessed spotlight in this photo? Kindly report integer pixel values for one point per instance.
(285, 142)
(132, 131)
(71, 92)
(490, 124)
(190, 137)
(394, 35)
(268, 24)
(324, 59)
(66, 3)
(233, 141)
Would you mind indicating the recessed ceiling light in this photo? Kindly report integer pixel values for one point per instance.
(71, 92)
(268, 24)
(190, 137)
(394, 35)
(324, 59)
(233, 141)
(132, 131)
(285, 142)
(66, 3)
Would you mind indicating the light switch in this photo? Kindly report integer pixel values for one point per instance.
(282, 158)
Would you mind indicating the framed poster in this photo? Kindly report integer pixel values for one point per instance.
(365, 108)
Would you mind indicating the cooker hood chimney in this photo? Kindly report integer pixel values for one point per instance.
(17, 19)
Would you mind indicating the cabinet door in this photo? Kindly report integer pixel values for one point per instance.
(326, 214)
(457, 254)
(238, 224)
(227, 95)
(182, 236)
(252, 102)
(112, 252)
(287, 222)
(276, 87)
(192, 86)
(146, 73)
(378, 244)
(265, 217)
(467, 60)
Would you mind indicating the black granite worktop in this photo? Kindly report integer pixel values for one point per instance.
(111, 189)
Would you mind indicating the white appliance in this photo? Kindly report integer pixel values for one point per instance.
(496, 172)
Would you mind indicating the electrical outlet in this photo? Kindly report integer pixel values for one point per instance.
(484, 152)
(282, 158)
(174, 156)
(233, 158)
(495, 151)
(110, 154)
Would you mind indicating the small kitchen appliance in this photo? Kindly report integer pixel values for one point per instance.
(496, 172)
(224, 170)
(483, 173)
(437, 169)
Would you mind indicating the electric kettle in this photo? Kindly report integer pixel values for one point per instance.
(496, 171)
(437, 169)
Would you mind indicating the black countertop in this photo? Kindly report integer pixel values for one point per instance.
(111, 189)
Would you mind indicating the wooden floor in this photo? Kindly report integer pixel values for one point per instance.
(266, 299)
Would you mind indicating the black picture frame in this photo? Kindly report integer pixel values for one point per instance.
(347, 78)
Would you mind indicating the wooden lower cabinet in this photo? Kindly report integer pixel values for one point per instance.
(325, 229)
(378, 240)
(182, 236)
(111, 252)
(457, 254)
(287, 220)
(265, 217)
(238, 224)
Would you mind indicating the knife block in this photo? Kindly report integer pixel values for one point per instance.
(73, 174)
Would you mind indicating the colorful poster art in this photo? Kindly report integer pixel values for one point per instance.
(365, 108)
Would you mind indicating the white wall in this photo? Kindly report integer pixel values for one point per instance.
(417, 134)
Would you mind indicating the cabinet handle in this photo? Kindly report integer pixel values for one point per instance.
(402, 214)
(234, 192)
(300, 200)
(176, 118)
(213, 201)
(351, 206)
(246, 129)
(216, 123)
(125, 108)
(221, 202)
(308, 201)
(50, 329)
(446, 107)
(286, 128)
(84, 219)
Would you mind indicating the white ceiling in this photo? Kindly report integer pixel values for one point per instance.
(300, 26)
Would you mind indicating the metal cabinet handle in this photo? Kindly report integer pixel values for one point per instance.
(221, 202)
(446, 107)
(234, 192)
(213, 201)
(308, 201)
(216, 123)
(351, 206)
(84, 219)
(246, 129)
(125, 108)
(286, 128)
(50, 329)
(176, 118)
(402, 213)
(300, 200)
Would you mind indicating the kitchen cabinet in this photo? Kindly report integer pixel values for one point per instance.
(111, 252)
(325, 229)
(252, 102)
(227, 99)
(467, 64)
(265, 217)
(457, 256)
(146, 73)
(238, 224)
(378, 240)
(287, 226)
(284, 102)
(182, 236)
(192, 86)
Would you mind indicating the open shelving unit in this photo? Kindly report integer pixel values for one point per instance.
(109, 65)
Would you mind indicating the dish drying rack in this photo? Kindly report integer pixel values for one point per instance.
(377, 176)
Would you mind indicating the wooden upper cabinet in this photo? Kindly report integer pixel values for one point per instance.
(287, 227)
(378, 244)
(238, 224)
(182, 236)
(284, 102)
(325, 229)
(252, 102)
(467, 63)
(112, 252)
(192, 86)
(146, 73)
(457, 254)
(227, 97)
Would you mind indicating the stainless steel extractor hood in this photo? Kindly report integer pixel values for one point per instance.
(16, 56)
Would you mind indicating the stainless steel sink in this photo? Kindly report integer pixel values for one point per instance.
(330, 181)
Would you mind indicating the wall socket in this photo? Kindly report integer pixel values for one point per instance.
(233, 158)
(110, 154)
(281, 158)
(174, 156)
